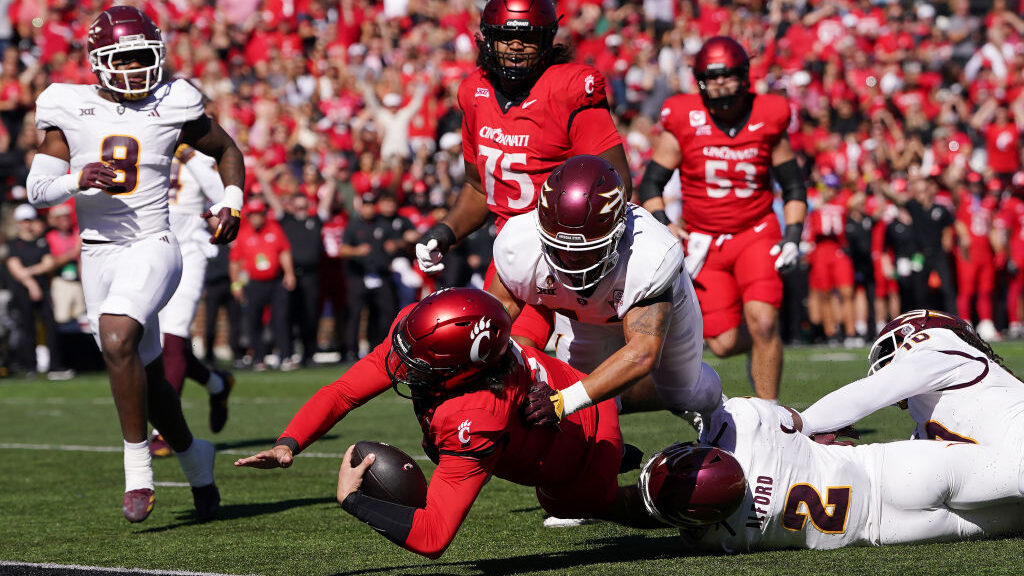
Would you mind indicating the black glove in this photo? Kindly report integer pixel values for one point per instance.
(540, 409)
(97, 175)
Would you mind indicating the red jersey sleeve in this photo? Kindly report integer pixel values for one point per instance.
(467, 92)
(469, 442)
(591, 128)
(366, 379)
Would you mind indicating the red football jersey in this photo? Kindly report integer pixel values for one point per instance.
(827, 223)
(516, 150)
(726, 181)
(1002, 142)
(977, 214)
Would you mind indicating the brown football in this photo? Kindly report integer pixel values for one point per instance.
(394, 476)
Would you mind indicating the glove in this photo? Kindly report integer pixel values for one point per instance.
(228, 220)
(432, 247)
(833, 438)
(787, 252)
(97, 175)
(228, 215)
(544, 406)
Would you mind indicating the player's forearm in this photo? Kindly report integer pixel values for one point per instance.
(795, 212)
(619, 371)
(469, 212)
(851, 403)
(49, 183)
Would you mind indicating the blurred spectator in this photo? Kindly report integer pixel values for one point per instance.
(933, 226)
(30, 264)
(830, 267)
(975, 264)
(399, 239)
(217, 288)
(262, 274)
(303, 231)
(368, 274)
(66, 285)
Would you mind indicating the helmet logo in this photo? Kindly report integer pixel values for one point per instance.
(481, 331)
(464, 431)
(615, 197)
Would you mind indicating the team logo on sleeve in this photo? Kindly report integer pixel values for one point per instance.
(697, 118)
(549, 285)
(464, 431)
(588, 84)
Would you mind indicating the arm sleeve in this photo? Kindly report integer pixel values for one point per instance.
(366, 379)
(924, 371)
(590, 125)
(48, 181)
(468, 116)
(191, 99)
(204, 170)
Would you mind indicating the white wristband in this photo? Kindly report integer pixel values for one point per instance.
(575, 398)
(232, 197)
(70, 181)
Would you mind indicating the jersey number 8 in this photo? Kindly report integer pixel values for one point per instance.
(122, 153)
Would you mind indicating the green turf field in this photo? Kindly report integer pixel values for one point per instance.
(61, 484)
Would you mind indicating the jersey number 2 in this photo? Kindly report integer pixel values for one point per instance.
(526, 190)
(828, 516)
(122, 152)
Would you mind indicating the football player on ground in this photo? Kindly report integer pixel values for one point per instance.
(117, 139)
(726, 143)
(194, 179)
(803, 494)
(937, 367)
(626, 308)
(526, 109)
(469, 382)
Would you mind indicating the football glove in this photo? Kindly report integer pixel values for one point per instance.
(787, 252)
(97, 175)
(544, 406)
(432, 247)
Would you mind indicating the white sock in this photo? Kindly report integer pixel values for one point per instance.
(138, 466)
(197, 463)
(215, 384)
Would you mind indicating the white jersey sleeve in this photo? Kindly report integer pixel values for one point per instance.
(655, 259)
(51, 107)
(518, 260)
(937, 359)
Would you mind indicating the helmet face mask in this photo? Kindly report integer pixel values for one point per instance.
(518, 37)
(722, 57)
(580, 218)
(126, 51)
(446, 341)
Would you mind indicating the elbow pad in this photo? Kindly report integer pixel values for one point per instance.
(48, 181)
(655, 178)
(392, 520)
(791, 180)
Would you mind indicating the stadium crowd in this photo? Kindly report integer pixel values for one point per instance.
(906, 120)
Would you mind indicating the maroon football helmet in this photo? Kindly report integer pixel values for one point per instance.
(722, 56)
(904, 326)
(447, 339)
(580, 216)
(690, 485)
(120, 37)
(531, 22)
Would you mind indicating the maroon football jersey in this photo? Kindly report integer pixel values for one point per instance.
(726, 181)
(515, 150)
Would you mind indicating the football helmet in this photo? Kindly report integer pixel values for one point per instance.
(580, 216)
(904, 326)
(722, 56)
(691, 485)
(529, 21)
(121, 35)
(446, 339)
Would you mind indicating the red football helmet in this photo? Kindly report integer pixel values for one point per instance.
(120, 36)
(581, 216)
(529, 21)
(447, 339)
(690, 485)
(722, 56)
(904, 326)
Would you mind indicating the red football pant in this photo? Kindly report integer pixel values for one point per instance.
(831, 268)
(975, 277)
(738, 269)
(532, 323)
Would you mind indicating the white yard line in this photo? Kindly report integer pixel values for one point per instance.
(65, 568)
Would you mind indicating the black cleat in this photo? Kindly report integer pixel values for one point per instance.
(219, 403)
(207, 501)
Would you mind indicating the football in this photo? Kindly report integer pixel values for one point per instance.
(394, 476)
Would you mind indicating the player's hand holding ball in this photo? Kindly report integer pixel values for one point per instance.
(98, 175)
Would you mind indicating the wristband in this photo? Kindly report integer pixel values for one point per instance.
(793, 233)
(237, 285)
(574, 398)
(232, 198)
(660, 216)
(70, 182)
(291, 443)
